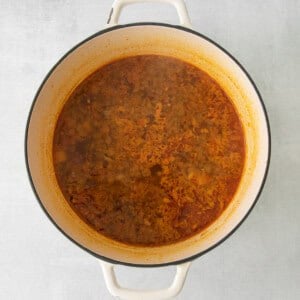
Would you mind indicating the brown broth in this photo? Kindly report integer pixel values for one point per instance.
(148, 150)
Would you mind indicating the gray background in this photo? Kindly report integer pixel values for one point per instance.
(260, 261)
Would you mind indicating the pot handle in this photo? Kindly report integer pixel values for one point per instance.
(124, 293)
(178, 4)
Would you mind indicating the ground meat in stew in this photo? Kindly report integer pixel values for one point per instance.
(148, 150)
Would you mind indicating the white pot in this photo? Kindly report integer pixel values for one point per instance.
(120, 41)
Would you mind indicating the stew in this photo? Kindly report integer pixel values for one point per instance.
(148, 150)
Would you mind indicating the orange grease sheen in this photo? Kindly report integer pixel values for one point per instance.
(148, 150)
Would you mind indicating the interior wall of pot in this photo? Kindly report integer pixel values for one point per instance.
(137, 40)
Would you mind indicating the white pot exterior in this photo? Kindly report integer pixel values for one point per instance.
(138, 39)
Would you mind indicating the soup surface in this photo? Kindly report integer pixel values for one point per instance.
(148, 150)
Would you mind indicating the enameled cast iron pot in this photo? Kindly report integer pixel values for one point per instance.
(119, 41)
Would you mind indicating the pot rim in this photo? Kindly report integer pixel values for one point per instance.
(178, 27)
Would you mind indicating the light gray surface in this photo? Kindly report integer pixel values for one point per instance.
(260, 261)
